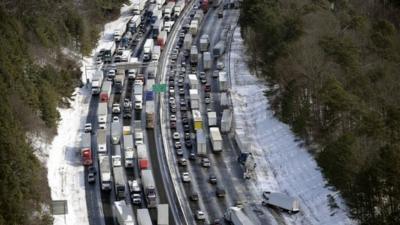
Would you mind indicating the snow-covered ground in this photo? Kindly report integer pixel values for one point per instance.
(65, 170)
(282, 165)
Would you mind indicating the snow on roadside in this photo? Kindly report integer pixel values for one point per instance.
(282, 165)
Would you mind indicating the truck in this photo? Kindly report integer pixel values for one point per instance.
(187, 42)
(201, 143)
(142, 151)
(150, 114)
(223, 81)
(105, 172)
(193, 81)
(101, 142)
(134, 23)
(193, 27)
(212, 119)
(97, 81)
(162, 39)
(119, 83)
(179, 6)
(147, 49)
(162, 214)
(207, 61)
(102, 112)
(143, 217)
(236, 216)
(139, 138)
(105, 92)
(124, 213)
(219, 49)
(224, 100)
(216, 139)
(116, 130)
(204, 42)
(138, 101)
(198, 16)
(116, 158)
(194, 55)
(168, 9)
(157, 28)
(204, 5)
(197, 119)
(149, 188)
(128, 150)
(168, 25)
(282, 201)
(119, 183)
(108, 51)
(138, 6)
(155, 56)
(86, 149)
(138, 88)
(194, 98)
(226, 121)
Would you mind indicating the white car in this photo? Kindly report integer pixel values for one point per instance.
(200, 215)
(137, 199)
(88, 128)
(173, 118)
(111, 73)
(171, 100)
(176, 136)
(115, 119)
(186, 177)
(131, 74)
(116, 109)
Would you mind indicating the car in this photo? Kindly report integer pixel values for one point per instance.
(131, 74)
(182, 162)
(172, 109)
(184, 115)
(136, 199)
(186, 177)
(188, 144)
(99, 60)
(220, 65)
(88, 128)
(185, 120)
(186, 127)
(205, 162)
(182, 35)
(194, 196)
(180, 84)
(171, 84)
(116, 109)
(212, 179)
(183, 69)
(192, 156)
(172, 117)
(134, 186)
(171, 77)
(220, 14)
(215, 74)
(181, 91)
(91, 174)
(187, 136)
(111, 73)
(220, 192)
(179, 152)
(207, 88)
(207, 100)
(203, 80)
(176, 136)
(183, 64)
(200, 215)
(172, 124)
(178, 145)
(184, 108)
(217, 222)
(115, 119)
(171, 100)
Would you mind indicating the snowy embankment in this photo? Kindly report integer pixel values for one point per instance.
(282, 165)
(65, 169)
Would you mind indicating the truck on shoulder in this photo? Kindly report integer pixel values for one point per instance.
(236, 216)
(281, 201)
(86, 150)
(124, 213)
(216, 139)
(105, 172)
(149, 188)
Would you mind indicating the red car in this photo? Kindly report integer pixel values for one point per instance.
(207, 88)
(173, 124)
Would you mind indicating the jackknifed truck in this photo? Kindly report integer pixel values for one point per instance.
(105, 172)
(216, 139)
(282, 201)
(149, 188)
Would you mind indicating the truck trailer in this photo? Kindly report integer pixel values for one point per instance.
(116, 130)
(162, 214)
(119, 83)
(119, 183)
(105, 172)
(201, 143)
(149, 188)
(282, 201)
(197, 119)
(147, 49)
(193, 81)
(226, 120)
(223, 81)
(212, 119)
(207, 61)
(97, 82)
(216, 139)
(236, 216)
(219, 49)
(101, 142)
(124, 213)
(187, 42)
(204, 43)
(105, 91)
(143, 217)
(128, 150)
(102, 112)
(150, 114)
(86, 149)
(194, 98)
(194, 55)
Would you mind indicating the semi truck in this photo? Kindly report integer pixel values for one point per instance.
(119, 183)
(197, 119)
(194, 98)
(150, 114)
(223, 81)
(143, 217)
(149, 188)
(201, 143)
(179, 6)
(212, 119)
(157, 27)
(105, 91)
(97, 81)
(187, 42)
(157, 14)
(86, 149)
(193, 81)
(204, 43)
(128, 150)
(155, 56)
(105, 172)
(193, 27)
(134, 23)
(236, 216)
(207, 61)
(219, 49)
(168, 9)
(282, 201)
(147, 49)
(162, 214)
(116, 130)
(124, 213)
(194, 55)
(226, 121)
(216, 139)
(101, 142)
(108, 51)
(119, 83)
(102, 112)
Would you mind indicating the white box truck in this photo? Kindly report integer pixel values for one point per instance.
(216, 139)
(149, 188)
(204, 43)
(97, 81)
(194, 55)
(201, 143)
(224, 99)
(223, 81)
(179, 6)
(193, 81)
(147, 49)
(187, 42)
(226, 121)
(155, 56)
(119, 183)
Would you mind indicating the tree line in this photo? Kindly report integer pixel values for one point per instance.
(333, 71)
(35, 78)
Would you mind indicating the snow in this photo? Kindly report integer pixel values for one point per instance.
(65, 169)
(282, 164)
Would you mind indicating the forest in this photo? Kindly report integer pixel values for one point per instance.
(36, 77)
(333, 73)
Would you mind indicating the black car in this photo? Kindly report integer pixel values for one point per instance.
(220, 192)
(186, 127)
(192, 156)
(187, 136)
(91, 174)
(212, 179)
(220, 14)
(185, 121)
(188, 144)
(194, 196)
